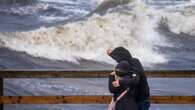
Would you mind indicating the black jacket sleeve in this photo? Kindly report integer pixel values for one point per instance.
(128, 80)
(113, 89)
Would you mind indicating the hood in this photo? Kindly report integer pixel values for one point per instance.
(120, 54)
(122, 68)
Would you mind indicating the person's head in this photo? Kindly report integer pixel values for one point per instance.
(122, 68)
(119, 54)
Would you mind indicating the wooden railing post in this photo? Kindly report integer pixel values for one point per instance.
(1, 91)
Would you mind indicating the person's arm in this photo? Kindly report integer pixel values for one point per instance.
(127, 81)
(112, 89)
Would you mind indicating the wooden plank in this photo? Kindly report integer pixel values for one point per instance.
(1, 92)
(171, 73)
(173, 99)
(88, 99)
(90, 74)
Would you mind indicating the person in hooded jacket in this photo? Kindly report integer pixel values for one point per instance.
(124, 80)
(143, 94)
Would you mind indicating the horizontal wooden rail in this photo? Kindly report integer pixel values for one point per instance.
(88, 99)
(91, 74)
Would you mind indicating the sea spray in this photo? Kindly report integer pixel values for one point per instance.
(88, 39)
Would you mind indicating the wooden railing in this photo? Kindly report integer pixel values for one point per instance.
(86, 99)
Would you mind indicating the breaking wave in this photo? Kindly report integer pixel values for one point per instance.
(134, 28)
(104, 5)
(181, 19)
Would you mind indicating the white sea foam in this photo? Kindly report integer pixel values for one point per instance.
(182, 20)
(179, 18)
(89, 39)
(52, 19)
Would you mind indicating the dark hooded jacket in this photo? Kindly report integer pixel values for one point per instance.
(120, 54)
(128, 101)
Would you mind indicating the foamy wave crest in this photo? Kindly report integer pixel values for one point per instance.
(179, 18)
(182, 19)
(89, 39)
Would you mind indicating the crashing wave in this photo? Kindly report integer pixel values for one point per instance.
(107, 4)
(181, 20)
(89, 39)
(134, 28)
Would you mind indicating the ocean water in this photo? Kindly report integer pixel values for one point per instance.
(47, 34)
(74, 34)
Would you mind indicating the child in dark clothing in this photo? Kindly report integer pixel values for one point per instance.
(123, 80)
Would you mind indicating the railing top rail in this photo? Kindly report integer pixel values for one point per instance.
(88, 99)
(80, 70)
(89, 73)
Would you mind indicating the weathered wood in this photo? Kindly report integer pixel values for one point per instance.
(91, 74)
(1, 91)
(88, 99)
(173, 99)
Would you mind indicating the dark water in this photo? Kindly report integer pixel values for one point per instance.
(23, 15)
(91, 86)
(182, 54)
